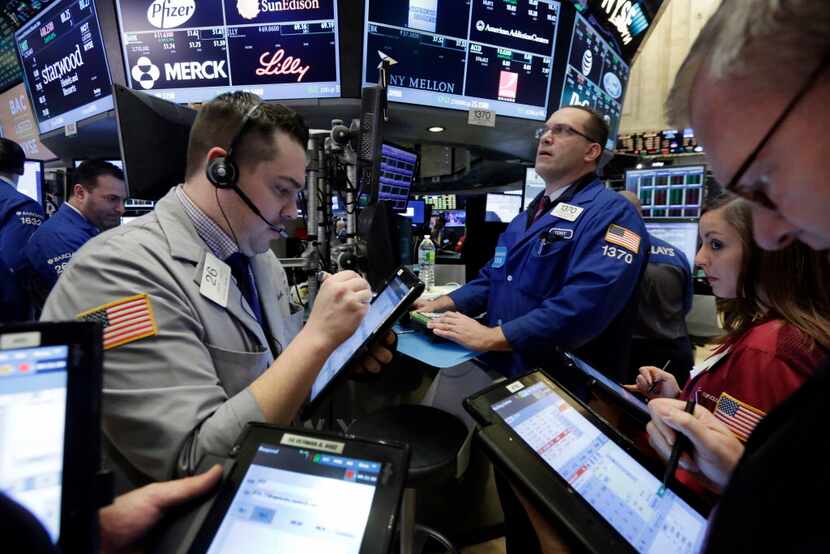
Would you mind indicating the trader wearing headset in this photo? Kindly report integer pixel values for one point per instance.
(199, 334)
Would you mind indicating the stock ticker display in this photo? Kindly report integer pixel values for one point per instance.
(488, 54)
(187, 51)
(64, 64)
(595, 76)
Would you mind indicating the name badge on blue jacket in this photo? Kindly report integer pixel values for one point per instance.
(500, 257)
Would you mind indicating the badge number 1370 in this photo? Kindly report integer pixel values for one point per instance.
(617, 253)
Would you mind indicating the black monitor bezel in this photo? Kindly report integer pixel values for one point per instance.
(82, 436)
(549, 491)
(385, 504)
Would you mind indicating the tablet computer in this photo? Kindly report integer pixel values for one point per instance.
(293, 490)
(50, 398)
(389, 304)
(591, 483)
(633, 405)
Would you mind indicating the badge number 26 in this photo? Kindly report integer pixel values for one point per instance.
(618, 253)
(210, 276)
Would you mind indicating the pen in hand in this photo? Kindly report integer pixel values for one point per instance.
(680, 444)
(657, 382)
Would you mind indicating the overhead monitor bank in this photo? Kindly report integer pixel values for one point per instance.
(64, 64)
(186, 51)
(595, 76)
(465, 54)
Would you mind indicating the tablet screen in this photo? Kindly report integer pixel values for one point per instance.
(608, 478)
(295, 500)
(32, 420)
(609, 384)
(382, 307)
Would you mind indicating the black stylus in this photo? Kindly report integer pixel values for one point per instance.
(680, 444)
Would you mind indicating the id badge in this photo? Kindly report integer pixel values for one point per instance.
(500, 257)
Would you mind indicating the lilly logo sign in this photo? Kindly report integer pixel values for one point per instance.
(169, 14)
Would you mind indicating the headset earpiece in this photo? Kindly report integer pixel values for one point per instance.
(222, 172)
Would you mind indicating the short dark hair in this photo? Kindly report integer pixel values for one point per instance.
(597, 128)
(12, 157)
(219, 120)
(88, 172)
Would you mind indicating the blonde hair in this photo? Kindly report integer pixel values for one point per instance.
(784, 39)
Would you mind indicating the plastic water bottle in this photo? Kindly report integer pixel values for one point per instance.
(426, 261)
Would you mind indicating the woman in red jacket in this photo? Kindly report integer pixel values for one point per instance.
(774, 307)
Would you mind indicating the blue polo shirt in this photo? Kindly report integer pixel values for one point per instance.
(53, 244)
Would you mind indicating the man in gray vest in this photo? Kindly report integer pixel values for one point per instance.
(199, 334)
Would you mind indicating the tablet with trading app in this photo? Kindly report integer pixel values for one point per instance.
(390, 303)
(294, 490)
(50, 397)
(603, 491)
(615, 389)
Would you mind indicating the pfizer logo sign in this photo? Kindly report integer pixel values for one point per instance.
(612, 85)
(587, 62)
(169, 14)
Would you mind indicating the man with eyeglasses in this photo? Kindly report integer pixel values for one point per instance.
(563, 271)
(755, 87)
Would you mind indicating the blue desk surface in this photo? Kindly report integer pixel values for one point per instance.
(435, 353)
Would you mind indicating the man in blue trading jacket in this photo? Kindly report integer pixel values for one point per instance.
(96, 204)
(665, 297)
(564, 271)
(20, 216)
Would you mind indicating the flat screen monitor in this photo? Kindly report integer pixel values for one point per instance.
(442, 201)
(31, 182)
(117, 163)
(455, 218)
(464, 54)
(33, 410)
(186, 51)
(675, 191)
(595, 76)
(416, 210)
(17, 122)
(680, 234)
(397, 173)
(502, 208)
(64, 64)
(533, 186)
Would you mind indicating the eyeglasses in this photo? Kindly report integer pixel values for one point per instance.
(560, 130)
(753, 192)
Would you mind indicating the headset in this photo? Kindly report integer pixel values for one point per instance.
(223, 172)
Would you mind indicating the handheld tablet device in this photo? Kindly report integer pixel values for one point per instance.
(390, 303)
(50, 397)
(601, 490)
(294, 490)
(634, 405)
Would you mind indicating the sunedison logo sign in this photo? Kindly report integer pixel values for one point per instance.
(168, 14)
(251, 9)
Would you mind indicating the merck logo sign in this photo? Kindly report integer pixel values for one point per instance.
(168, 14)
(250, 9)
(146, 73)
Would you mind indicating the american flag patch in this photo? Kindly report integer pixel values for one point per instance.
(739, 417)
(125, 320)
(623, 237)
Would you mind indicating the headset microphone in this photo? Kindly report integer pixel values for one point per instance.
(224, 173)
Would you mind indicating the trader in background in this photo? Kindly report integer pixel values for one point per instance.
(20, 216)
(96, 204)
(665, 297)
